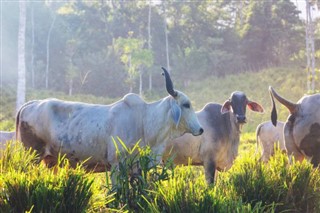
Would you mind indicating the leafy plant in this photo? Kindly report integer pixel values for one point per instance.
(134, 176)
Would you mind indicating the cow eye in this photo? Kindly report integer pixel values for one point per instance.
(186, 105)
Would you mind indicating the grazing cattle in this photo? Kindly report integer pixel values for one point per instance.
(268, 136)
(85, 131)
(217, 148)
(302, 128)
(6, 136)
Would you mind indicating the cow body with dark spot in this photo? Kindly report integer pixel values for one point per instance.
(302, 128)
(85, 131)
(217, 147)
(269, 136)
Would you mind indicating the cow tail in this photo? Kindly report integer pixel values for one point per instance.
(18, 121)
(257, 136)
(18, 117)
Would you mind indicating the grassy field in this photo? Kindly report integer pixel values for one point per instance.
(249, 186)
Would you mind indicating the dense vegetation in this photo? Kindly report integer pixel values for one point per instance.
(250, 186)
(102, 47)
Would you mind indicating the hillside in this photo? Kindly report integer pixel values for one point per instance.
(288, 82)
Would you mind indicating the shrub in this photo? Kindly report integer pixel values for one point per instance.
(134, 176)
(293, 188)
(27, 186)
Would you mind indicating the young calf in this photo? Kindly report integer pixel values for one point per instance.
(267, 136)
(5, 137)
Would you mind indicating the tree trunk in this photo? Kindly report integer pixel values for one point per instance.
(70, 86)
(21, 85)
(166, 35)
(48, 52)
(140, 82)
(310, 51)
(149, 44)
(32, 48)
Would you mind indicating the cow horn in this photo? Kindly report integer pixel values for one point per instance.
(169, 84)
(274, 115)
(292, 107)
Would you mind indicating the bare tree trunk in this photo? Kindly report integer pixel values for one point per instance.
(21, 86)
(48, 51)
(32, 48)
(166, 35)
(70, 86)
(149, 44)
(140, 81)
(310, 51)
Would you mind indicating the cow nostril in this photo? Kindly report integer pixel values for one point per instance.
(241, 119)
(201, 131)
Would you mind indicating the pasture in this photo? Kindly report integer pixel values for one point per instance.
(249, 186)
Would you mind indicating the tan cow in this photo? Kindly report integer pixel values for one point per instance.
(217, 148)
(269, 136)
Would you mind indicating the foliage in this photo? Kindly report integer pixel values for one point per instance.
(205, 38)
(135, 175)
(249, 186)
(29, 186)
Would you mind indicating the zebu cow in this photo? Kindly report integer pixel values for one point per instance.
(268, 136)
(83, 131)
(218, 146)
(6, 136)
(302, 128)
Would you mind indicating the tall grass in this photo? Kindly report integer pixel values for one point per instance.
(28, 186)
(143, 186)
(134, 176)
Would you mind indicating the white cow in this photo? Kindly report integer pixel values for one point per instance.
(83, 131)
(6, 136)
(269, 136)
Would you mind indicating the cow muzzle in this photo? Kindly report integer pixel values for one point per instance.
(199, 132)
(241, 119)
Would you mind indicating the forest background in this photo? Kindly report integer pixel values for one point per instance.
(109, 48)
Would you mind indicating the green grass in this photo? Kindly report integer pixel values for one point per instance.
(249, 186)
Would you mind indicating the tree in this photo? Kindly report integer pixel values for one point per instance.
(134, 56)
(48, 50)
(269, 32)
(21, 86)
(310, 50)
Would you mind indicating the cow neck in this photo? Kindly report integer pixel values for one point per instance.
(156, 122)
(235, 128)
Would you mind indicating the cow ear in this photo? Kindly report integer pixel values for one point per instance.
(255, 106)
(176, 113)
(226, 107)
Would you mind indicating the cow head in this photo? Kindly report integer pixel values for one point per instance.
(237, 104)
(183, 115)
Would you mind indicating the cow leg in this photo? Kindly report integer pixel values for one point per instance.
(50, 161)
(210, 170)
